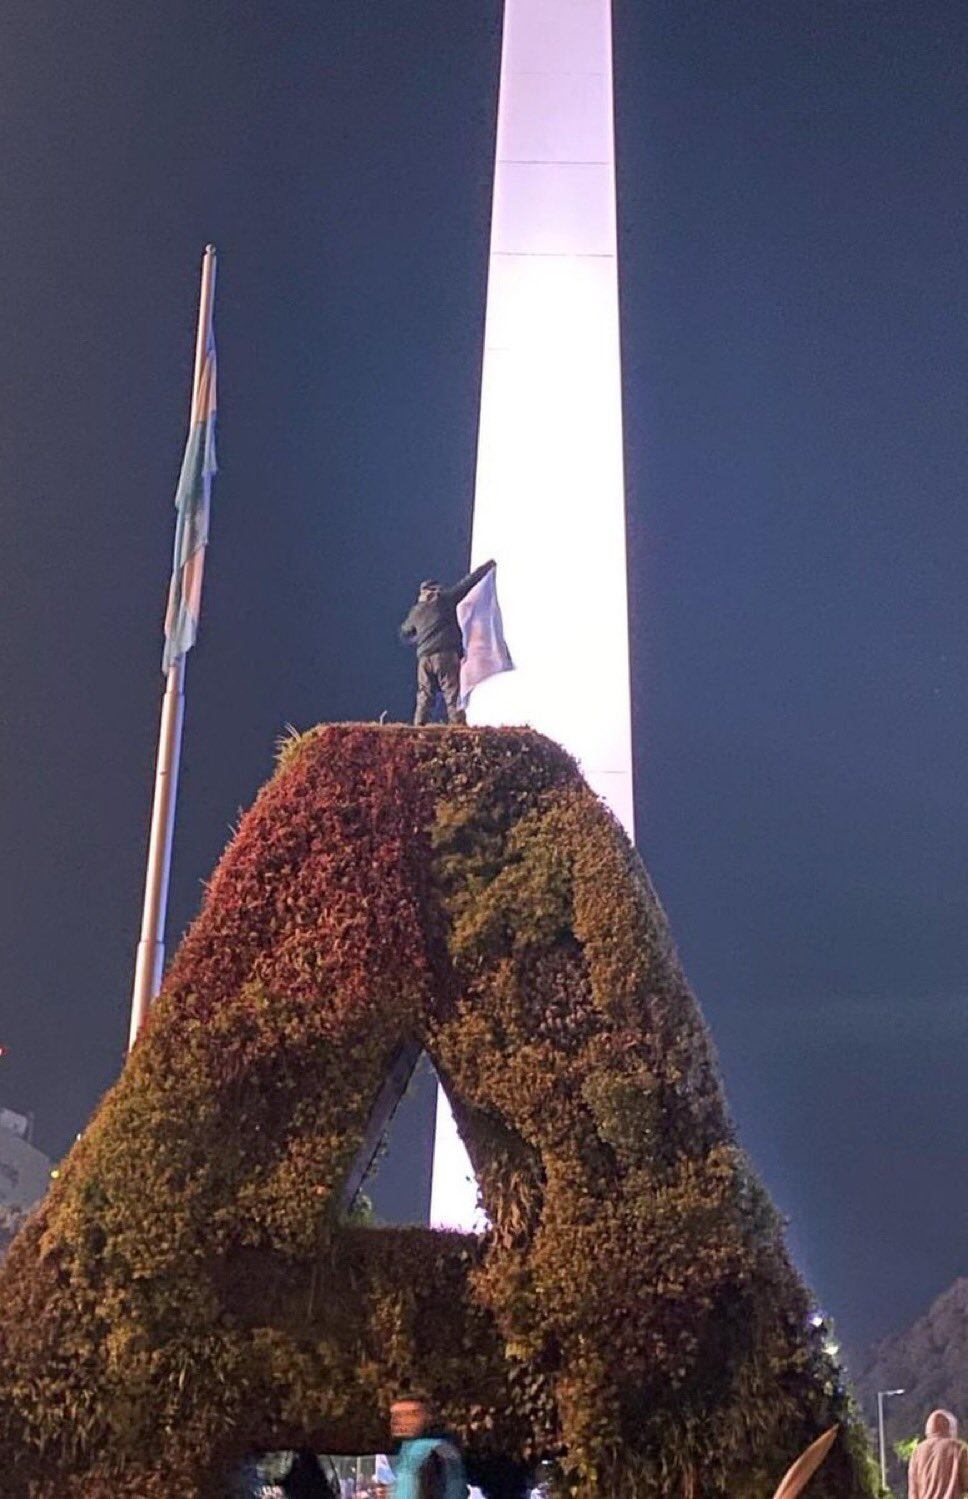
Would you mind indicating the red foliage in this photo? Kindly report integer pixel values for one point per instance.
(320, 894)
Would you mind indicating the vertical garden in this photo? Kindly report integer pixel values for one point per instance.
(191, 1289)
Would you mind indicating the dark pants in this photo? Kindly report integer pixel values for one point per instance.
(439, 674)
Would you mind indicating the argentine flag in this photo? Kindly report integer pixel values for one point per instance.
(192, 503)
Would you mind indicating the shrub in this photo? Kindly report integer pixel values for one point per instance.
(189, 1289)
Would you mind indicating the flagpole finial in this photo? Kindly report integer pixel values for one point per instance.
(209, 249)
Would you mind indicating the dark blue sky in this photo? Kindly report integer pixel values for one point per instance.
(794, 243)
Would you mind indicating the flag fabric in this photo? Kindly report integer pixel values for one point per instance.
(192, 504)
(806, 1466)
(485, 649)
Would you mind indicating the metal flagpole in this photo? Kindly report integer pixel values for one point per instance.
(150, 960)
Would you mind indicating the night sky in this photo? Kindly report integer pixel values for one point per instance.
(795, 318)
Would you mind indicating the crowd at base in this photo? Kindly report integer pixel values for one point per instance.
(292, 1475)
(427, 1464)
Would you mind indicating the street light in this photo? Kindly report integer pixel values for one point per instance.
(883, 1395)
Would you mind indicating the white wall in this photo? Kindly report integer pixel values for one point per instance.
(24, 1172)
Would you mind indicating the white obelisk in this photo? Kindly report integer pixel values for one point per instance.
(550, 501)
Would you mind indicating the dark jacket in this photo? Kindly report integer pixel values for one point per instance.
(432, 624)
(433, 1481)
(304, 1480)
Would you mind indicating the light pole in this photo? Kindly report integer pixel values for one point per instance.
(883, 1395)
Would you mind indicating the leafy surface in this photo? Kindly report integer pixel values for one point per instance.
(189, 1289)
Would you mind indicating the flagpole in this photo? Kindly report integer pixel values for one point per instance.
(150, 960)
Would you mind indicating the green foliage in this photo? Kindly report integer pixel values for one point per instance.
(189, 1288)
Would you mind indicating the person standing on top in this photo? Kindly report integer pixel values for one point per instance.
(939, 1465)
(427, 1466)
(433, 628)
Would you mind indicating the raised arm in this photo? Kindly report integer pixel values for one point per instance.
(462, 589)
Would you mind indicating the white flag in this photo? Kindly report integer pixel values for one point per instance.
(485, 649)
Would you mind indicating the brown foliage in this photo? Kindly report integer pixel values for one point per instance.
(188, 1288)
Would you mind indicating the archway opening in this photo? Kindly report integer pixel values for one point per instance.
(413, 1168)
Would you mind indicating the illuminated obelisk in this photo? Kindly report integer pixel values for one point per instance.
(550, 500)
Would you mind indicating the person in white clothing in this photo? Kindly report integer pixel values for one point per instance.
(939, 1465)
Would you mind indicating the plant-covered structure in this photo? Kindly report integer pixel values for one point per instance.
(192, 1287)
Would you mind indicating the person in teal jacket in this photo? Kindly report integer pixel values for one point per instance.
(427, 1466)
